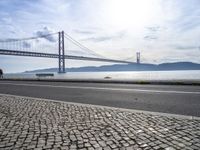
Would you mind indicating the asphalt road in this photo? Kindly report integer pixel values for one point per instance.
(184, 100)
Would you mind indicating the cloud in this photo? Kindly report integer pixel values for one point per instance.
(154, 32)
(153, 28)
(188, 47)
(150, 37)
(184, 15)
(116, 36)
(46, 31)
(99, 39)
(83, 31)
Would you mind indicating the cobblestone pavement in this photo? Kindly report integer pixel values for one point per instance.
(28, 123)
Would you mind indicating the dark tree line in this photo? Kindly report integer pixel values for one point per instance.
(1, 73)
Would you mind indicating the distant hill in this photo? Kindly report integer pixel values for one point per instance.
(129, 67)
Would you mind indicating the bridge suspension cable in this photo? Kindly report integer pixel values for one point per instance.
(82, 46)
(28, 38)
(32, 44)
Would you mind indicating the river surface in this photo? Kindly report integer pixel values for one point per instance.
(126, 75)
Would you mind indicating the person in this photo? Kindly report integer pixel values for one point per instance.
(1, 73)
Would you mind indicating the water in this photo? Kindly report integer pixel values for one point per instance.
(125, 76)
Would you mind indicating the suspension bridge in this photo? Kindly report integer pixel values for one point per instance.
(52, 45)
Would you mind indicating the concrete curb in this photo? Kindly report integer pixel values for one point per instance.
(112, 108)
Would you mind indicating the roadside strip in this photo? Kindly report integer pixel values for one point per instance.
(116, 81)
(112, 108)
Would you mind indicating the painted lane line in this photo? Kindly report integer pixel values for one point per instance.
(102, 88)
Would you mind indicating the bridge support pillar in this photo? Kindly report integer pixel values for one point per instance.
(61, 50)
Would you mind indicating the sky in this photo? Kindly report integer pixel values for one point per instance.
(161, 30)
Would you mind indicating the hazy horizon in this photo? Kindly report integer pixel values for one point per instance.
(175, 66)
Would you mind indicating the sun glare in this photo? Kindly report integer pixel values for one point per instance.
(126, 13)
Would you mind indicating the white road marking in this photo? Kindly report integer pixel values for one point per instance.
(103, 88)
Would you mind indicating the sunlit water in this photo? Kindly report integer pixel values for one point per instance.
(129, 75)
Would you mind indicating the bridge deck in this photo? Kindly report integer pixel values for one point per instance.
(51, 55)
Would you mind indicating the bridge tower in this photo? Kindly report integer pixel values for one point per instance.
(61, 50)
(138, 57)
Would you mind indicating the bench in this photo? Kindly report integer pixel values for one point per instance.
(44, 74)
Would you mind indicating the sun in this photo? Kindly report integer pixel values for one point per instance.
(129, 13)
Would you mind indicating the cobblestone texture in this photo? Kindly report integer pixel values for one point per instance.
(27, 123)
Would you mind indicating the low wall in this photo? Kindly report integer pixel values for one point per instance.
(159, 82)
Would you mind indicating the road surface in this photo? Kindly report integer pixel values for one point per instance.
(184, 100)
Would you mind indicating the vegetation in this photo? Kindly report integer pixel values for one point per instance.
(1, 73)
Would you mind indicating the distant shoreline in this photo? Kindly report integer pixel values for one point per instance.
(128, 67)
